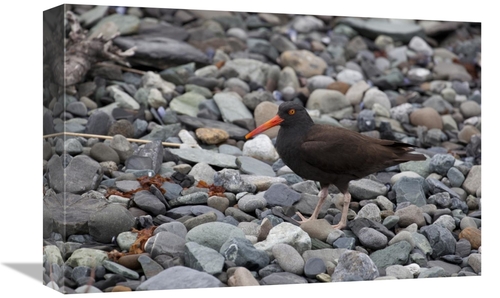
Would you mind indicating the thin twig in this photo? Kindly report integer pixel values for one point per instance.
(85, 135)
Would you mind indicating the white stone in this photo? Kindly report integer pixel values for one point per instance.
(261, 147)
(285, 233)
(414, 268)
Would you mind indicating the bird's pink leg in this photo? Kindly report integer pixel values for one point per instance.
(322, 197)
(343, 220)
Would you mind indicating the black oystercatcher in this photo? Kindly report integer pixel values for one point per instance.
(330, 155)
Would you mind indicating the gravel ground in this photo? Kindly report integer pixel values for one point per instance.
(174, 197)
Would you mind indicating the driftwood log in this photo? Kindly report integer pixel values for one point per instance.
(82, 52)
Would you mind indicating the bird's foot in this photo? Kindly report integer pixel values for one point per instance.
(303, 219)
(339, 226)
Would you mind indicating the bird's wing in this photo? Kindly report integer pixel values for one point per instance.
(341, 151)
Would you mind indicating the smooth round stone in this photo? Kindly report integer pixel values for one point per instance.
(130, 261)
(77, 109)
(449, 94)
(403, 236)
(373, 96)
(390, 221)
(203, 172)
(455, 176)
(165, 243)
(370, 211)
(473, 235)
(451, 71)
(120, 288)
(126, 239)
(72, 147)
(213, 234)
(467, 222)
(313, 267)
(349, 76)
(286, 233)
(409, 215)
(467, 132)
(120, 270)
(211, 136)
(419, 74)
(427, 117)
(342, 87)
(372, 238)
(87, 289)
(187, 103)
(261, 148)
(354, 265)
(87, 257)
(355, 93)
(475, 262)
(470, 108)
(219, 203)
(419, 45)
(399, 271)
(288, 258)
(319, 82)
(237, 32)
(327, 101)
(282, 278)
(473, 181)
(305, 24)
(174, 227)
(102, 152)
(249, 203)
(180, 277)
(433, 272)
(439, 104)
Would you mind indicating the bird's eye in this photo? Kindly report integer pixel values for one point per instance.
(291, 112)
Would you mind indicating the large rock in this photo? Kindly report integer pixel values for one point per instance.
(354, 265)
(110, 221)
(398, 30)
(180, 277)
(69, 212)
(82, 174)
(160, 52)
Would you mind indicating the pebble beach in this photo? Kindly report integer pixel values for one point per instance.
(175, 197)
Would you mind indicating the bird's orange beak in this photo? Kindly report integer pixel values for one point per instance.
(276, 120)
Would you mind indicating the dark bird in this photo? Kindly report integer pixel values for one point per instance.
(330, 155)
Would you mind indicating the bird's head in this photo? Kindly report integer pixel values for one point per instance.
(289, 114)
